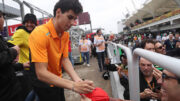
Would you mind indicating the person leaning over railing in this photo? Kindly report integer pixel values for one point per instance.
(170, 85)
(148, 83)
(123, 75)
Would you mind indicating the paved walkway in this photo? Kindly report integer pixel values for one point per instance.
(90, 73)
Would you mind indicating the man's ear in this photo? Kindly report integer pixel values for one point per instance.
(58, 12)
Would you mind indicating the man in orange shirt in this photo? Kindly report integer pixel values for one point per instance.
(85, 49)
(49, 50)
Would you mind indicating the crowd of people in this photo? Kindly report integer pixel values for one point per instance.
(155, 82)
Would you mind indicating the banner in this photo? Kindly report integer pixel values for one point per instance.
(12, 28)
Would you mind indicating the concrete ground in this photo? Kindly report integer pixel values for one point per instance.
(90, 73)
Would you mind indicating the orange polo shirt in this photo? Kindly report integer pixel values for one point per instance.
(46, 46)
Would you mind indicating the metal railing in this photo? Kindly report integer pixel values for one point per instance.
(132, 72)
(166, 62)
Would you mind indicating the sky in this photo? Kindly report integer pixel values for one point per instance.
(103, 13)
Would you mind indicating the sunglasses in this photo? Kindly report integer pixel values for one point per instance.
(160, 47)
(165, 76)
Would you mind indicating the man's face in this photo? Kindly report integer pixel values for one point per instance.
(83, 37)
(177, 36)
(166, 84)
(160, 48)
(178, 45)
(1, 22)
(100, 32)
(149, 46)
(124, 60)
(29, 25)
(146, 67)
(65, 20)
(170, 36)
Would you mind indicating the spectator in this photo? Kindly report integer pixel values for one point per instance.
(159, 48)
(148, 45)
(136, 45)
(99, 43)
(170, 43)
(177, 37)
(176, 51)
(123, 75)
(10, 87)
(49, 50)
(135, 38)
(158, 37)
(168, 81)
(85, 50)
(148, 82)
(164, 38)
(20, 38)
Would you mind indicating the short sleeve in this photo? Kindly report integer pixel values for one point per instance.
(65, 52)
(95, 41)
(38, 46)
(80, 42)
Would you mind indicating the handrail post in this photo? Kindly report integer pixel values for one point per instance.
(133, 75)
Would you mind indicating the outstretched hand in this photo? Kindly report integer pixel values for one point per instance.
(84, 87)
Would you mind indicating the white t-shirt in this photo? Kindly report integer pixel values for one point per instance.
(164, 38)
(90, 43)
(99, 40)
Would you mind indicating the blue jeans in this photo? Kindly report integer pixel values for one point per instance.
(32, 96)
(70, 58)
(100, 57)
(85, 56)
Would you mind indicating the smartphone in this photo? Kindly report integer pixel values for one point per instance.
(157, 88)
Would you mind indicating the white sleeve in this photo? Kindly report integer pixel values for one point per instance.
(89, 42)
(95, 41)
(80, 43)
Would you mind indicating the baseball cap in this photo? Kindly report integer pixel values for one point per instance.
(98, 94)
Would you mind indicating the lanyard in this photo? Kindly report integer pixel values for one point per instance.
(152, 87)
(171, 43)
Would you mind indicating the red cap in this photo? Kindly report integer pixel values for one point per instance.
(98, 94)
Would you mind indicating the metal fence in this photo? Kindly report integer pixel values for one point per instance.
(166, 62)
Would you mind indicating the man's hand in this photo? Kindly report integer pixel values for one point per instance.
(84, 98)
(119, 70)
(157, 74)
(155, 95)
(84, 87)
(26, 65)
(147, 93)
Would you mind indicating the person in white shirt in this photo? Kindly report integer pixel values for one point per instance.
(99, 43)
(158, 38)
(164, 38)
(85, 49)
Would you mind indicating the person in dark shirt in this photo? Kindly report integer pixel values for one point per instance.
(170, 44)
(149, 88)
(10, 89)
